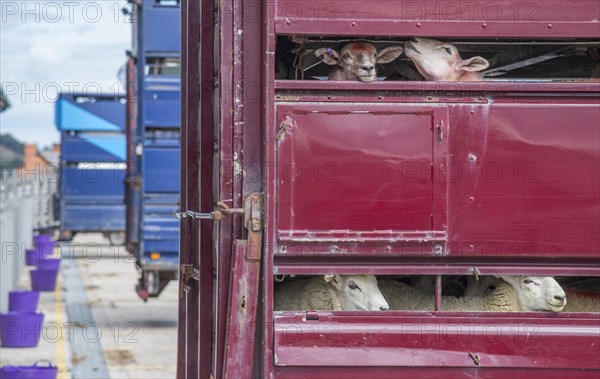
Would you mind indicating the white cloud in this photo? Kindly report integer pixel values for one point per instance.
(41, 53)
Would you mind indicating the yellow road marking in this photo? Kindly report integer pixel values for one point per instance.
(61, 352)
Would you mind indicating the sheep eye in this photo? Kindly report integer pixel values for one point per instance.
(345, 56)
(527, 281)
(448, 50)
(353, 286)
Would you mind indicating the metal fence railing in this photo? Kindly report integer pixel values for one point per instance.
(26, 206)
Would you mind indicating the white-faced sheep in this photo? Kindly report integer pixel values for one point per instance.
(581, 301)
(439, 61)
(357, 60)
(331, 292)
(523, 293)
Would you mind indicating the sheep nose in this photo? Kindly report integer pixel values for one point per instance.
(384, 308)
(367, 68)
(559, 297)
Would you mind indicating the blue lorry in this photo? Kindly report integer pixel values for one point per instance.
(92, 164)
(153, 140)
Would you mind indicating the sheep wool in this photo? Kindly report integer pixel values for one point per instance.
(579, 301)
(307, 294)
(401, 296)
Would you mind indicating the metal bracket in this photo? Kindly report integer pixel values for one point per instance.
(440, 131)
(187, 272)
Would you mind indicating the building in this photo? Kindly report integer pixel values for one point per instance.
(4, 104)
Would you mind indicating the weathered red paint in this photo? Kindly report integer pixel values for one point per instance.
(541, 216)
(402, 339)
(429, 18)
(194, 355)
(243, 308)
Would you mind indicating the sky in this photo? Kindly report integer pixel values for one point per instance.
(47, 46)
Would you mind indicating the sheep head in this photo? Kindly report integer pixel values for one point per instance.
(439, 61)
(357, 60)
(358, 292)
(538, 293)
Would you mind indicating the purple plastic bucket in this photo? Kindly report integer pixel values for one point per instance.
(42, 239)
(49, 264)
(39, 370)
(23, 301)
(20, 329)
(47, 249)
(32, 256)
(43, 280)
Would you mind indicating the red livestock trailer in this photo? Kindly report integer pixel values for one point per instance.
(285, 174)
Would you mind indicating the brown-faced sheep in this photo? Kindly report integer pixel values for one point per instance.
(357, 60)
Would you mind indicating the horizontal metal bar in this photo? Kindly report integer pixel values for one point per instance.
(455, 42)
(440, 29)
(485, 86)
(340, 236)
(314, 268)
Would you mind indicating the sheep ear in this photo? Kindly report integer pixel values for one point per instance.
(474, 64)
(510, 279)
(389, 54)
(329, 56)
(335, 280)
(328, 278)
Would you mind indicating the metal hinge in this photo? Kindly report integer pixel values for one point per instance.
(253, 221)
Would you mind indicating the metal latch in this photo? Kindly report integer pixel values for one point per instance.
(253, 221)
(218, 215)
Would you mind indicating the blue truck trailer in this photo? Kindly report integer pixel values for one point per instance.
(92, 164)
(153, 139)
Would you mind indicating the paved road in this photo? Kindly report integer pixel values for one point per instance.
(116, 332)
(139, 339)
